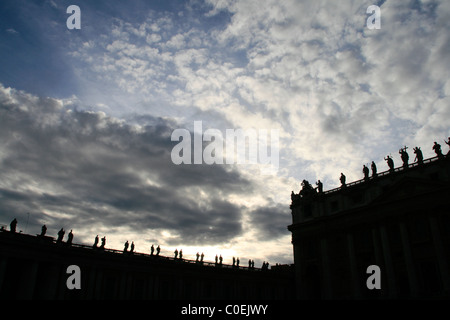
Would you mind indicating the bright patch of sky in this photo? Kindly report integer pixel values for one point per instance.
(86, 115)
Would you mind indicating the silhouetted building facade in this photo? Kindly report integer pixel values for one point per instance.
(36, 267)
(398, 220)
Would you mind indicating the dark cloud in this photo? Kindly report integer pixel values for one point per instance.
(271, 221)
(79, 168)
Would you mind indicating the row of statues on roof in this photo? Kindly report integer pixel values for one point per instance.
(308, 189)
(178, 254)
(61, 232)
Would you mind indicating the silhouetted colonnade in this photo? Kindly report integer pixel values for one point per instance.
(130, 249)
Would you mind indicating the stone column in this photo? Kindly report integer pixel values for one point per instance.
(353, 268)
(379, 259)
(28, 282)
(410, 269)
(3, 264)
(440, 254)
(326, 275)
(392, 289)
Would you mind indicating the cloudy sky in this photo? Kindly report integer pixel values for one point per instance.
(86, 116)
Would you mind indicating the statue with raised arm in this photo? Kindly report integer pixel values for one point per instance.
(102, 246)
(390, 163)
(319, 186)
(448, 143)
(404, 156)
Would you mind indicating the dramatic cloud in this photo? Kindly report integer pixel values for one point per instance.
(97, 152)
(83, 169)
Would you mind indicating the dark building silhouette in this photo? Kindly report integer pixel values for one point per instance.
(398, 220)
(35, 267)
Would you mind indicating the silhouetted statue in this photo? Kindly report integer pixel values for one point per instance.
(319, 186)
(249, 263)
(132, 247)
(13, 225)
(125, 247)
(307, 189)
(237, 262)
(419, 155)
(374, 169)
(43, 230)
(253, 264)
(152, 249)
(217, 258)
(234, 261)
(404, 156)
(437, 149)
(220, 260)
(198, 256)
(102, 246)
(158, 250)
(95, 242)
(365, 171)
(70, 238)
(60, 235)
(448, 143)
(181, 254)
(342, 179)
(176, 253)
(390, 163)
(201, 257)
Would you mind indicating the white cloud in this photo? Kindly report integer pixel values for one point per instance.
(12, 31)
(341, 95)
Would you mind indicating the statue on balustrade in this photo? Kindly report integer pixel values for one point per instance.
(342, 179)
(60, 235)
(365, 171)
(374, 169)
(390, 163)
(69, 238)
(448, 143)
(319, 186)
(437, 149)
(307, 189)
(404, 156)
(43, 230)
(102, 246)
(419, 155)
